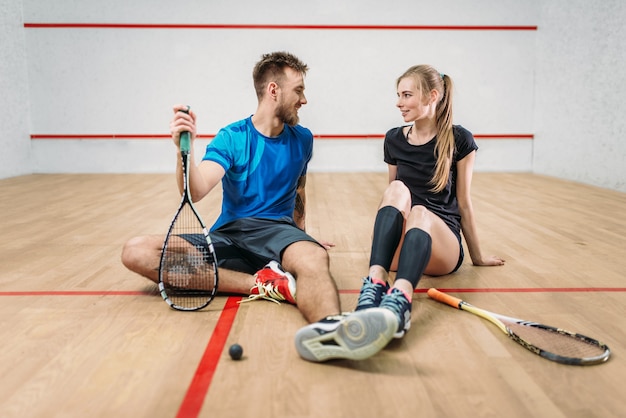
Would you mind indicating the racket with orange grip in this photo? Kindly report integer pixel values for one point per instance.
(552, 343)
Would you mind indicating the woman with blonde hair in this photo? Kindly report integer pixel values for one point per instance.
(427, 203)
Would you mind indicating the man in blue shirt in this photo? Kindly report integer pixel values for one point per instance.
(259, 238)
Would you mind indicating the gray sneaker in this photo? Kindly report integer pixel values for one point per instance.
(371, 293)
(396, 302)
(354, 336)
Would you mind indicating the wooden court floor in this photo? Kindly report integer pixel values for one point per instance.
(83, 337)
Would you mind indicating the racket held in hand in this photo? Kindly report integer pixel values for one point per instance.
(552, 343)
(187, 272)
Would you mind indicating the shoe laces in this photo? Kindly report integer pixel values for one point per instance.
(368, 291)
(267, 291)
(396, 302)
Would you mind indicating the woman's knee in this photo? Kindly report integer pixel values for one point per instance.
(397, 194)
(419, 217)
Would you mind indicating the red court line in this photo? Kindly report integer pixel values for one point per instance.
(34, 25)
(108, 136)
(382, 136)
(102, 136)
(203, 136)
(199, 386)
(529, 290)
(504, 136)
(514, 290)
(78, 293)
(344, 291)
(201, 382)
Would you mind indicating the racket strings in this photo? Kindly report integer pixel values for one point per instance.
(187, 270)
(556, 342)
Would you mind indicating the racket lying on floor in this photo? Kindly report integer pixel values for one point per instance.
(551, 343)
(187, 272)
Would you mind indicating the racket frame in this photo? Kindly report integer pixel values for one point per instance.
(501, 322)
(185, 148)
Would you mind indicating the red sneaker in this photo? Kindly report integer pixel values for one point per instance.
(274, 284)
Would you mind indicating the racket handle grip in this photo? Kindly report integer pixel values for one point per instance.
(185, 142)
(185, 137)
(444, 298)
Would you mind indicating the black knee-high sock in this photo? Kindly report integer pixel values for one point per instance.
(387, 234)
(414, 255)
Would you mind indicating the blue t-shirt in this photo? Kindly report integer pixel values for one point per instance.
(261, 172)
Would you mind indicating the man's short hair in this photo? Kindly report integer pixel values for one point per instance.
(272, 66)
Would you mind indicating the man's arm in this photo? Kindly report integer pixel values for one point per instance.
(202, 177)
(299, 212)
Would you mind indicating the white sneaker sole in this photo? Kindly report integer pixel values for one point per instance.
(356, 337)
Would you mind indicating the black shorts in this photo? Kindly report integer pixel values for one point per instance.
(248, 244)
(461, 253)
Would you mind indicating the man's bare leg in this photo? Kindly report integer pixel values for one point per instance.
(356, 336)
(142, 255)
(316, 289)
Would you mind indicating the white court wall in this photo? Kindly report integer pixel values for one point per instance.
(580, 126)
(15, 144)
(123, 81)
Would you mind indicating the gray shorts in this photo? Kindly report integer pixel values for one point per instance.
(248, 244)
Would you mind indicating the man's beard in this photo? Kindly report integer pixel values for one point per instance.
(287, 115)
